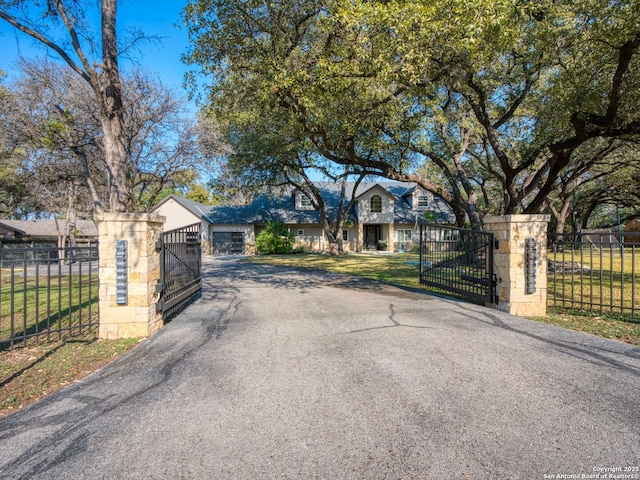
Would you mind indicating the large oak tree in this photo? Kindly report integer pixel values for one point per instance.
(497, 95)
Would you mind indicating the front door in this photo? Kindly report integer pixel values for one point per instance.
(371, 237)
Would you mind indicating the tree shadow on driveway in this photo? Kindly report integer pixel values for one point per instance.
(227, 275)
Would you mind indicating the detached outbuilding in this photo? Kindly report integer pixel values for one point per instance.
(44, 232)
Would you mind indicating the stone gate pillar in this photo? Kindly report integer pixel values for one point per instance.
(516, 294)
(127, 293)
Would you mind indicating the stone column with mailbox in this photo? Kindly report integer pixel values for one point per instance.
(129, 269)
(520, 262)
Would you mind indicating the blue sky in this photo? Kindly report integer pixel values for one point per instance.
(154, 17)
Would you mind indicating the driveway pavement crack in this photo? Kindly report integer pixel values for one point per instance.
(392, 319)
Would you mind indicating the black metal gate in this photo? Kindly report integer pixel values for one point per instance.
(458, 261)
(180, 269)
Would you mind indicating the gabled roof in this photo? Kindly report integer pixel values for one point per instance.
(265, 208)
(268, 207)
(16, 231)
(198, 209)
(48, 228)
(377, 186)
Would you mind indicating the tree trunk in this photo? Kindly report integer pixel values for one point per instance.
(335, 245)
(115, 158)
(106, 85)
(474, 218)
(561, 215)
(111, 110)
(460, 214)
(334, 237)
(72, 216)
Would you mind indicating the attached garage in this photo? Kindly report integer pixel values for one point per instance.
(228, 243)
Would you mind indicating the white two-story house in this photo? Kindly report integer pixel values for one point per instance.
(386, 216)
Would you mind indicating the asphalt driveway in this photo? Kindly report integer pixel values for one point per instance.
(278, 373)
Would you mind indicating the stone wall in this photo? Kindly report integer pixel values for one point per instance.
(137, 317)
(511, 232)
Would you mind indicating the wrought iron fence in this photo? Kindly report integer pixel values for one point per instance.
(595, 272)
(47, 293)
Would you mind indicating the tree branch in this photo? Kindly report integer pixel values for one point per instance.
(46, 41)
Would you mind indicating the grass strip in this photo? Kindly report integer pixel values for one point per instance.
(30, 373)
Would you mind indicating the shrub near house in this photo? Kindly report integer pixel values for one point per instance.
(275, 238)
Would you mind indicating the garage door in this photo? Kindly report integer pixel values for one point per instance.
(228, 243)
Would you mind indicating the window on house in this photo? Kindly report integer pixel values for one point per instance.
(423, 201)
(404, 235)
(376, 204)
(300, 232)
(305, 202)
(451, 235)
(345, 235)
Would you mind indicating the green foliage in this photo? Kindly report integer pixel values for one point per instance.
(15, 197)
(199, 193)
(492, 98)
(14, 194)
(275, 238)
(430, 216)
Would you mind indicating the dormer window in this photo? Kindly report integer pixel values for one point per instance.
(303, 202)
(423, 201)
(375, 203)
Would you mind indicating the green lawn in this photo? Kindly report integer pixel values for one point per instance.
(38, 303)
(400, 269)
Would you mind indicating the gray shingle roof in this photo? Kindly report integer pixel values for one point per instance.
(265, 208)
(282, 207)
(47, 227)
